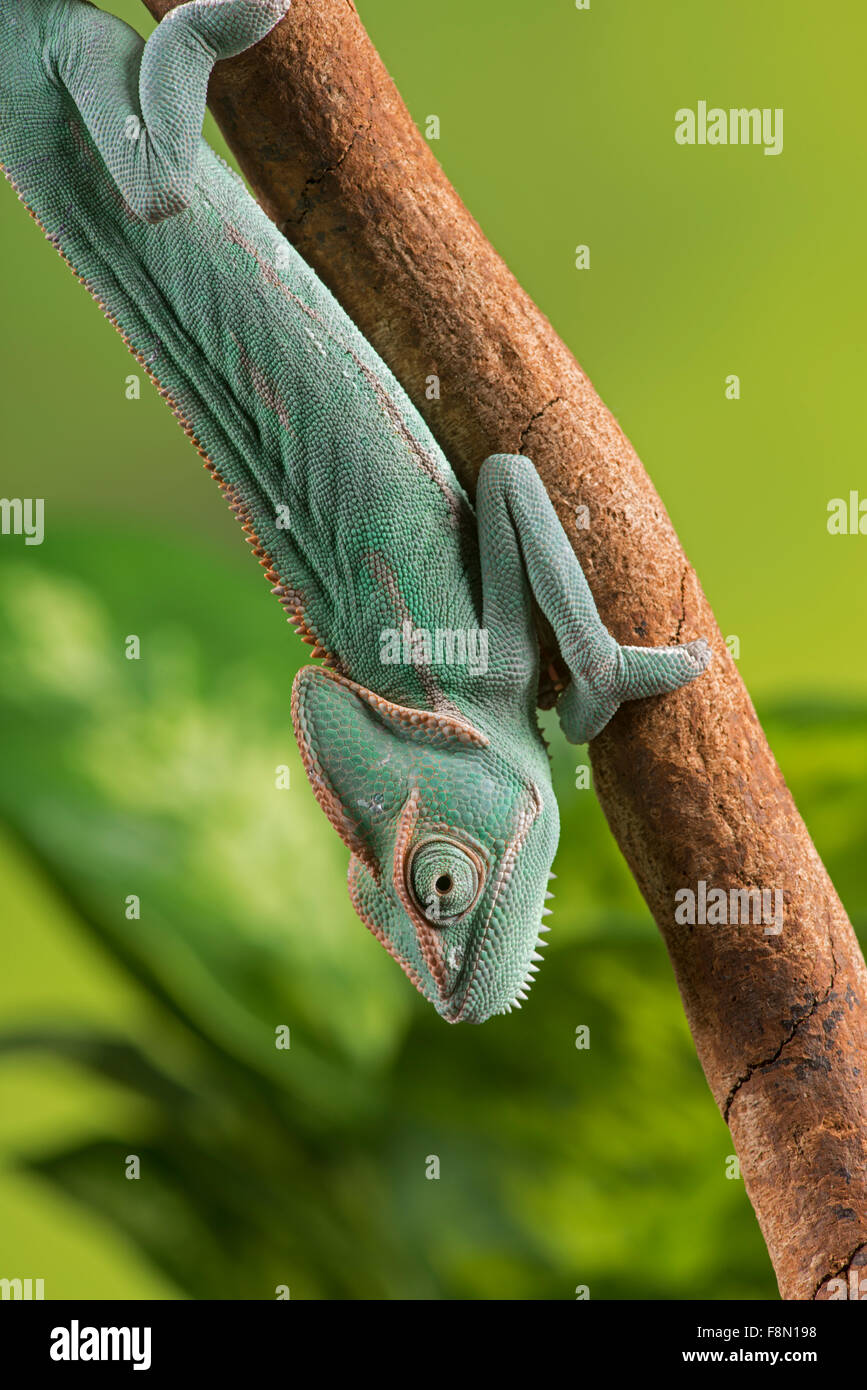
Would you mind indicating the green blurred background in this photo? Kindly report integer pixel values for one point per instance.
(307, 1167)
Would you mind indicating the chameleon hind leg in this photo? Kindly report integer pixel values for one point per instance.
(144, 105)
(520, 535)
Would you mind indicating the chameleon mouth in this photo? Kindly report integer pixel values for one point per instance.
(454, 1009)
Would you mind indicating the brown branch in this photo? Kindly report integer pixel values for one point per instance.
(688, 784)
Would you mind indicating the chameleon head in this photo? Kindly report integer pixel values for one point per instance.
(451, 842)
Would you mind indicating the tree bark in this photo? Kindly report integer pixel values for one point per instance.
(687, 782)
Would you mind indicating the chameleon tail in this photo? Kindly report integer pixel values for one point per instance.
(147, 124)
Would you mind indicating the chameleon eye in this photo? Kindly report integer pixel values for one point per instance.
(445, 879)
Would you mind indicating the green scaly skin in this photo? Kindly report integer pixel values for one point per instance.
(432, 770)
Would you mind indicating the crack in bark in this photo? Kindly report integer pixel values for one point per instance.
(305, 202)
(682, 619)
(753, 1067)
(847, 1264)
(532, 420)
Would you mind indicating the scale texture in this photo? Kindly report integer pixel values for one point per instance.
(419, 731)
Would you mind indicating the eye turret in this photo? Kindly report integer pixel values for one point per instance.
(445, 879)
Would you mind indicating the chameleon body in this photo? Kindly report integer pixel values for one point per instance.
(431, 767)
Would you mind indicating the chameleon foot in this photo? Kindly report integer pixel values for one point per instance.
(659, 670)
(586, 706)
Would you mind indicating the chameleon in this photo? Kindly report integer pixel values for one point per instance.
(431, 767)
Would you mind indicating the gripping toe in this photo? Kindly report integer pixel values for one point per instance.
(659, 670)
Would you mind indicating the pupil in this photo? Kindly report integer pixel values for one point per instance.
(443, 883)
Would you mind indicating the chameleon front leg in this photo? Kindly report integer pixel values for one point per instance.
(144, 109)
(521, 541)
